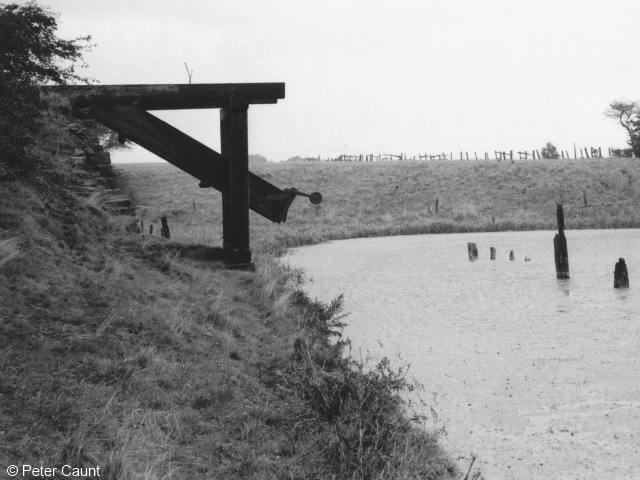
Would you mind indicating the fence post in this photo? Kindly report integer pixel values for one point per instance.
(164, 231)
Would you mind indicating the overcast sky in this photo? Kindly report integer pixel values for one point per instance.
(377, 76)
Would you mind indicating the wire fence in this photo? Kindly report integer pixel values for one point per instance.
(497, 155)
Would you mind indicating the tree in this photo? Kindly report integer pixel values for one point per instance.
(550, 151)
(627, 114)
(30, 55)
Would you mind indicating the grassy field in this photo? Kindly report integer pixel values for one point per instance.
(124, 352)
(399, 198)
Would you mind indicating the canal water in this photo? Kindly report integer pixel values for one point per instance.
(538, 377)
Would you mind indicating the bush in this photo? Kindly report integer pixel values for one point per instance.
(30, 55)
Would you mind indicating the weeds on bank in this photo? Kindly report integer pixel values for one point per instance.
(369, 429)
(118, 351)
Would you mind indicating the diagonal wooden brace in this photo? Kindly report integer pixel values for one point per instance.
(188, 154)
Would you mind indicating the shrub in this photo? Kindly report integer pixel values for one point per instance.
(30, 54)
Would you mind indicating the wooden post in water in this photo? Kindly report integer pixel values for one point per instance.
(620, 275)
(512, 255)
(164, 231)
(492, 251)
(560, 246)
(472, 249)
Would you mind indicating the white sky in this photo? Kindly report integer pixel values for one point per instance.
(380, 76)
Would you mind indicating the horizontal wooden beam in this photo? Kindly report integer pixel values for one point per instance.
(170, 96)
(189, 155)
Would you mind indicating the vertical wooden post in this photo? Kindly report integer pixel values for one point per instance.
(235, 201)
(472, 250)
(164, 230)
(560, 246)
(620, 275)
(492, 252)
(512, 255)
(437, 204)
(575, 152)
(151, 229)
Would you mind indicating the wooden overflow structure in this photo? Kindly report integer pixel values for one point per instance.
(124, 109)
(560, 246)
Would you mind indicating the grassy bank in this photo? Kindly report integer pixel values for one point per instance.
(128, 353)
(399, 198)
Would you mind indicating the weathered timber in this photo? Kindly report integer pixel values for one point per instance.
(560, 246)
(235, 198)
(512, 256)
(168, 97)
(189, 155)
(123, 108)
(472, 250)
(620, 275)
(164, 230)
(492, 252)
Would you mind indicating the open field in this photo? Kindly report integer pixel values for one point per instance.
(399, 198)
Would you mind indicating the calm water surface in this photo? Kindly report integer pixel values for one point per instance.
(539, 377)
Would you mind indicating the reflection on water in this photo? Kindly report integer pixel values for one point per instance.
(540, 377)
